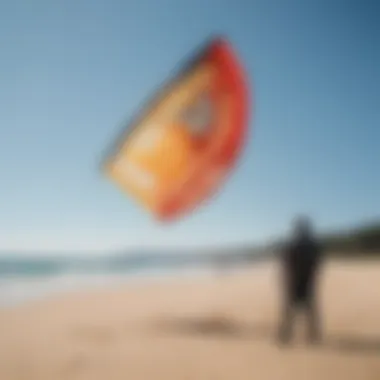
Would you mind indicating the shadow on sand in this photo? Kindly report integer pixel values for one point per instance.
(229, 329)
(355, 344)
(214, 327)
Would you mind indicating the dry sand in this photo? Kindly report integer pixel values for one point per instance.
(219, 327)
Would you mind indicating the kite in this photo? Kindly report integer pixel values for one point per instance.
(186, 139)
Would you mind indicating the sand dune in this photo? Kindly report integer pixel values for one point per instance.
(205, 328)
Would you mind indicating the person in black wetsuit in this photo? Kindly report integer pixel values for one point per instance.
(300, 269)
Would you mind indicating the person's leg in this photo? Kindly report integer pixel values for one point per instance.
(286, 324)
(314, 323)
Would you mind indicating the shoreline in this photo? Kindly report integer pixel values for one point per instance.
(17, 290)
(32, 289)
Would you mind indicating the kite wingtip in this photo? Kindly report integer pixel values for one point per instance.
(217, 38)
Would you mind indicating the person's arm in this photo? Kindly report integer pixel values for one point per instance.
(317, 259)
(286, 258)
(319, 256)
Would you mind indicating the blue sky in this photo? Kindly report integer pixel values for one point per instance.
(71, 71)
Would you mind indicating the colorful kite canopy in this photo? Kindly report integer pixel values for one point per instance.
(185, 141)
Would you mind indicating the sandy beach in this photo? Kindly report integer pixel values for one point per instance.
(216, 327)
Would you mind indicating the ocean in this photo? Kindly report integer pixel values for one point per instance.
(33, 278)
